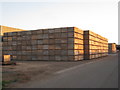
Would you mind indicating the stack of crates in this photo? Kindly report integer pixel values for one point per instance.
(0, 48)
(45, 44)
(112, 48)
(5, 29)
(94, 45)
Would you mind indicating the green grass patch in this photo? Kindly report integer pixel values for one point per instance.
(5, 83)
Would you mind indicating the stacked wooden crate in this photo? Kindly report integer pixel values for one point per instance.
(94, 45)
(78, 44)
(0, 48)
(112, 48)
(45, 44)
(5, 29)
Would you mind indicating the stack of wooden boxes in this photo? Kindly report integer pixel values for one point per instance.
(94, 45)
(45, 44)
(112, 48)
(5, 29)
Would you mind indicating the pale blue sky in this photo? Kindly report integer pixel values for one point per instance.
(100, 16)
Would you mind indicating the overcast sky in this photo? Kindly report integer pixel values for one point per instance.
(100, 16)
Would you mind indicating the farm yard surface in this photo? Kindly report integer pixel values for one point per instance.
(28, 71)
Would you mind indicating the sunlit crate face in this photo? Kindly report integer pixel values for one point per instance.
(94, 44)
(78, 46)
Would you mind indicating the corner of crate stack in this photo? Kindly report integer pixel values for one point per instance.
(78, 44)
